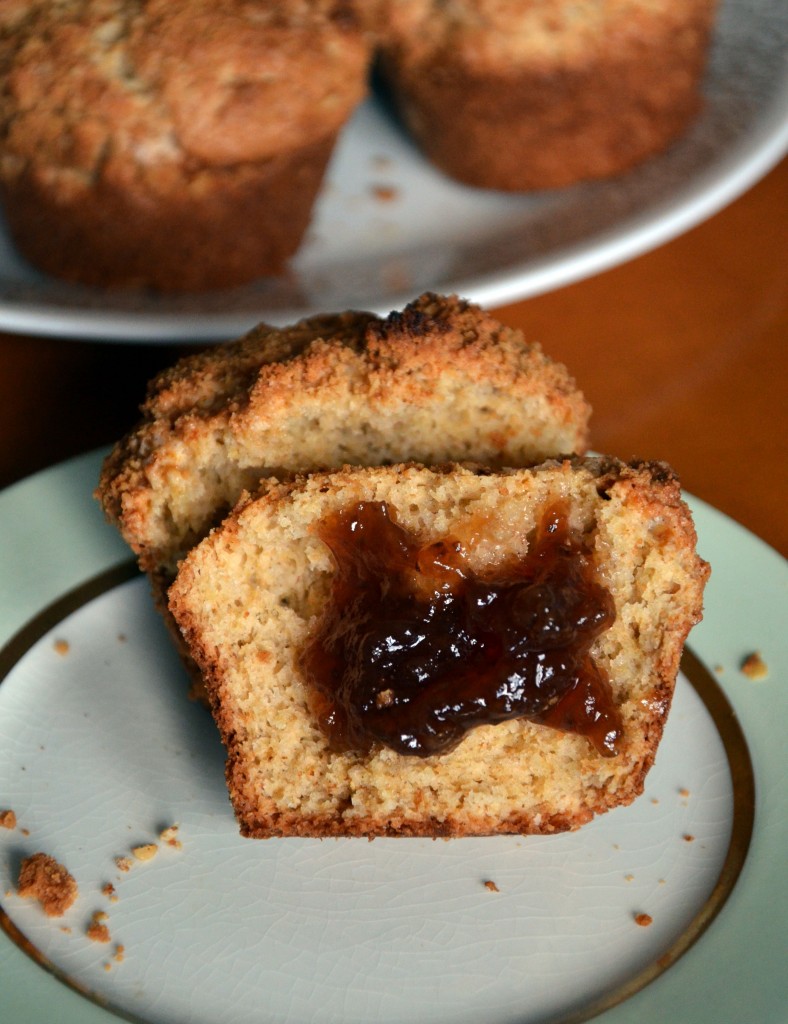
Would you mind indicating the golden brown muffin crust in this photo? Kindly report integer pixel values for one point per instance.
(291, 70)
(501, 36)
(158, 82)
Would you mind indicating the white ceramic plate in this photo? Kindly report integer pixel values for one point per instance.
(99, 750)
(365, 252)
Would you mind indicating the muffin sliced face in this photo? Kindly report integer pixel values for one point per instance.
(414, 651)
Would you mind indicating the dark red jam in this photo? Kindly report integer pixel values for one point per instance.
(415, 649)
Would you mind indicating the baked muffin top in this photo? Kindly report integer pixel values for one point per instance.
(500, 34)
(96, 87)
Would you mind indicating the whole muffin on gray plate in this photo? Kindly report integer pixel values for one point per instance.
(530, 94)
(176, 146)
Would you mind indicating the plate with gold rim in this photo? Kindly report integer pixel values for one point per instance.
(639, 914)
(388, 225)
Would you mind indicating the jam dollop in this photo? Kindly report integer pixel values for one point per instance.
(415, 649)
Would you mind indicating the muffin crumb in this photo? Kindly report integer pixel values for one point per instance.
(108, 890)
(7, 819)
(169, 835)
(384, 193)
(644, 920)
(491, 886)
(754, 667)
(98, 930)
(146, 851)
(41, 877)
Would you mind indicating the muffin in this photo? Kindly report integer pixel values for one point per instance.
(174, 146)
(443, 652)
(516, 95)
(440, 380)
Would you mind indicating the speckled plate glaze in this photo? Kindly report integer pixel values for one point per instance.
(389, 226)
(100, 750)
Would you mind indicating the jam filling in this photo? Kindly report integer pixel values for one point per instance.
(415, 649)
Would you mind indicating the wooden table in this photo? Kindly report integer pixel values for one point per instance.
(682, 353)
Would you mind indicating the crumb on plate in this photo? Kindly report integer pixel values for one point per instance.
(145, 851)
(169, 835)
(754, 667)
(384, 193)
(43, 878)
(97, 930)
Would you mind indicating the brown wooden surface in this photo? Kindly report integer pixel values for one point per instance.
(682, 353)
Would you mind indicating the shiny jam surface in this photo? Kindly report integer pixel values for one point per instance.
(415, 649)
